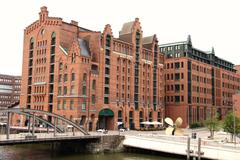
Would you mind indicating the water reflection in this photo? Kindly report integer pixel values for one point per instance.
(43, 152)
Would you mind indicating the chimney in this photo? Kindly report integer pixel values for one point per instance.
(74, 22)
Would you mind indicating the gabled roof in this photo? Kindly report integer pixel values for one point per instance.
(147, 40)
(126, 28)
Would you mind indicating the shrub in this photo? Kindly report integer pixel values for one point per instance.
(195, 125)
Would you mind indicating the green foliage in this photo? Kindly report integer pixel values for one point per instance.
(213, 124)
(195, 125)
(228, 124)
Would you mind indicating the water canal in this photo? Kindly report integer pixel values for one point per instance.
(43, 152)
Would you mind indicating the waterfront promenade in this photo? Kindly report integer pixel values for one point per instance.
(158, 141)
(149, 140)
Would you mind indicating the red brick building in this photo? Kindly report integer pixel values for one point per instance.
(9, 92)
(91, 77)
(236, 103)
(198, 83)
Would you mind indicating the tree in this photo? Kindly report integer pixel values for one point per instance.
(213, 124)
(228, 124)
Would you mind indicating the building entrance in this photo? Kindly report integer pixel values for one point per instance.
(106, 119)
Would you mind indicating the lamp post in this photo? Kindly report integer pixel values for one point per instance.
(234, 124)
(89, 99)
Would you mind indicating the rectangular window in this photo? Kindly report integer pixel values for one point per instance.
(182, 98)
(177, 99)
(73, 77)
(107, 80)
(59, 105)
(106, 100)
(72, 92)
(64, 105)
(59, 90)
(84, 90)
(83, 106)
(182, 76)
(59, 78)
(182, 87)
(177, 65)
(177, 87)
(106, 90)
(93, 99)
(65, 78)
(177, 76)
(72, 105)
(65, 90)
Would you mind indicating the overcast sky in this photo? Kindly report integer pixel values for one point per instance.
(209, 22)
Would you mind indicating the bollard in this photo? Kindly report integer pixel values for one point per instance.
(54, 134)
(188, 148)
(8, 125)
(199, 148)
(33, 124)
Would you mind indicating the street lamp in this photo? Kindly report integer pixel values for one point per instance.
(234, 123)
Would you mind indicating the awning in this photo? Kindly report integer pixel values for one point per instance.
(106, 112)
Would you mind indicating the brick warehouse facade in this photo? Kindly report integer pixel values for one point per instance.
(9, 93)
(236, 103)
(91, 77)
(198, 83)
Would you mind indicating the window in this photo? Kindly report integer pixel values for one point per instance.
(177, 99)
(59, 90)
(73, 57)
(177, 76)
(107, 61)
(73, 77)
(94, 85)
(106, 90)
(59, 78)
(182, 98)
(177, 55)
(106, 80)
(85, 77)
(177, 65)
(177, 87)
(72, 91)
(72, 105)
(106, 100)
(107, 70)
(59, 105)
(53, 40)
(83, 106)
(64, 104)
(93, 99)
(84, 90)
(65, 90)
(60, 66)
(65, 77)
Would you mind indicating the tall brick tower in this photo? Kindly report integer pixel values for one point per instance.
(90, 77)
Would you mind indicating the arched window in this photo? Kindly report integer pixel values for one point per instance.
(31, 43)
(60, 66)
(53, 38)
